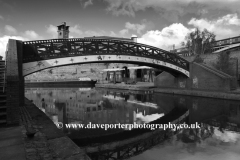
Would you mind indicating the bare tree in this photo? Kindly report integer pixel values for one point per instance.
(198, 42)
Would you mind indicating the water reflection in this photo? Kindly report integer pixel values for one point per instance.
(205, 143)
(218, 137)
(85, 105)
(147, 118)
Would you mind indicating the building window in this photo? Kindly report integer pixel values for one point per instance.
(88, 109)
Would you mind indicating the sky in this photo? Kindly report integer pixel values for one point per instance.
(160, 23)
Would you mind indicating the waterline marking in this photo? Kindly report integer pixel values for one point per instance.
(90, 125)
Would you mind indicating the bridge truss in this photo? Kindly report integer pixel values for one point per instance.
(60, 48)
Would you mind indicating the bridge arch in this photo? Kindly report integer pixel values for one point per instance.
(39, 55)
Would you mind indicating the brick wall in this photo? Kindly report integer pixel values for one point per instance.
(92, 71)
(165, 79)
(201, 78)
(211, 59)
(205, 79)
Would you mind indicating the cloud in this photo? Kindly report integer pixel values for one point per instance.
(165, 38)
(32, 35)
(1, 17)
(123, 32)
(138, 28)
(112, 34)
(88, 3)
(171, 10)
(230, 19)
(120, 7)
(28, 35)
(10, 30)
(224, 27)
(75, 30)
(52, 30)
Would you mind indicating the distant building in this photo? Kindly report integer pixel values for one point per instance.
(63, 31)
(134, 38)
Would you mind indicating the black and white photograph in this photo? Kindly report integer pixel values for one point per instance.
(119, 79)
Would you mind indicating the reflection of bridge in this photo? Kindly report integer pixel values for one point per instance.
(129, 147)
(226, 126)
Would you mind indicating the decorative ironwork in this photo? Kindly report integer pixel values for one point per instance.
(59, 48)
(39, 64)
(129, 150)
(139, 146)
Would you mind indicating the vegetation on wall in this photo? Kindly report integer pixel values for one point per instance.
(198, 59)
(224, 63)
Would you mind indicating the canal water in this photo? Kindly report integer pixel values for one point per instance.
(217, 139)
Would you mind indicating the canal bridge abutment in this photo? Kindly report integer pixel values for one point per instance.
(202, 77)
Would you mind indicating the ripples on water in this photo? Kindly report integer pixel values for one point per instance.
(218, 138)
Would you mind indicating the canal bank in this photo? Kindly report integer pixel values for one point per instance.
(48, 142)
(231, 95)
(63, 83)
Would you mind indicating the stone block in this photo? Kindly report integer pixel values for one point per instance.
(64, 147)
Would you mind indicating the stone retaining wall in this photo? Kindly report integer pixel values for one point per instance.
(202, 77)
(49, 143)
(211, 59)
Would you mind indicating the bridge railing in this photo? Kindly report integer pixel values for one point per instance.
(59, 48)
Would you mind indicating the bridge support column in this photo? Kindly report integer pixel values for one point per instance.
(14, 81)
